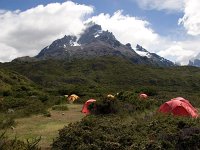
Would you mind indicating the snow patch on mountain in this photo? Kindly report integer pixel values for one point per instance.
(143, 54)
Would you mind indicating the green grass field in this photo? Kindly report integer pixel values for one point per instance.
(46, 127)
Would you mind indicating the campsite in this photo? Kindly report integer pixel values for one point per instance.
(100, 75)
(120, 118)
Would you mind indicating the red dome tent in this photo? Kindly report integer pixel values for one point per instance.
(179, 107)
(143, 96)
(85, 106)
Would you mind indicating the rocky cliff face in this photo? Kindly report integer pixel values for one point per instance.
(95, 42)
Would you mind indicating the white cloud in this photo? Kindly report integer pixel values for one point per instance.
(181, 51)
(127, 29)
(170, 5)
(7, 52)
(191, 18)
(26, 32)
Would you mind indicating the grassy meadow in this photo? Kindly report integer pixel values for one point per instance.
(46, 127)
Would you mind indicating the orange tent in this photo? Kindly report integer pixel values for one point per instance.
(85, 106)
(143, 96)
(110, 96)
(72, 98)
(179, 107)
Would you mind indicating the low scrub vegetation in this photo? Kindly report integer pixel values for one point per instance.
(113, 132)
(15, 144)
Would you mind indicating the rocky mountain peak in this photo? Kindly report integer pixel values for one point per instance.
(95, 42)
(129, 46)
(140, 48)
(90, 34)
(95, 33)
(63, 42)
(109, 38)
(93, 29)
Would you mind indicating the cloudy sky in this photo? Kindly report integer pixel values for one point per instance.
(170, 28)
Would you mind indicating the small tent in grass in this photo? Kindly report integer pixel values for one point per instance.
(143, 96)
(72, 98)
(110, 96)
(85, 106)
(179, 107)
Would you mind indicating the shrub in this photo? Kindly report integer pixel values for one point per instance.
(10, 102)
(15, 144)
(6, 122)
(114, 132)
(129, 102)
(22, 106)
(104, 106)
(32, 144)
(43, 98)
(125, 102)
(7, 93)
(188, 138)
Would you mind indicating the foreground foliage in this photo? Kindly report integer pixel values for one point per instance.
(15, 144)
(129, 123)
(113, 132)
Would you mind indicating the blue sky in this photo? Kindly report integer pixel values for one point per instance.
(151, 23)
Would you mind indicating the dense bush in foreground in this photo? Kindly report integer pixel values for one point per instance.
(15, 144)
(116, 133)
(125, 102)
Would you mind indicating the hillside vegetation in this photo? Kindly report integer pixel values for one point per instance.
(126, 123)
(11, 83)
(105, 75)
(20, 97)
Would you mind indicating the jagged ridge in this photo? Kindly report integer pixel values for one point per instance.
(95, 42)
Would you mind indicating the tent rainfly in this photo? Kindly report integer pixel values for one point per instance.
(72, 98)
(179, 107)
(85, 106)
(143, 96)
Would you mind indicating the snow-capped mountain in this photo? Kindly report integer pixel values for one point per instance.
(142, 52)
(152, 56)
(94, 42)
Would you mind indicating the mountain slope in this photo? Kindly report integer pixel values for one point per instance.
(94, 42)
(106, 74)
(12, 83)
